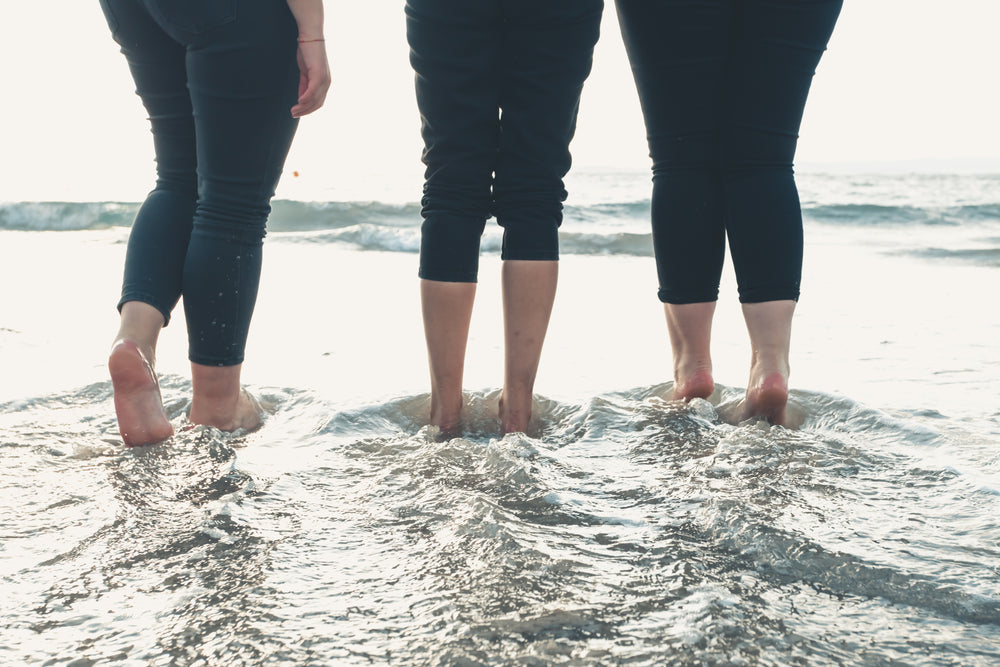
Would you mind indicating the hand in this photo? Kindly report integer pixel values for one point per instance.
(314, 77)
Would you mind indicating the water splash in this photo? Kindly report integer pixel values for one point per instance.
(624, 529)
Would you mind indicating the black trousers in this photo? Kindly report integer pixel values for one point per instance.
(723, 84)
(498, 86)
(218, 78)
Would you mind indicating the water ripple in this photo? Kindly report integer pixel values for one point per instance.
(626, 529)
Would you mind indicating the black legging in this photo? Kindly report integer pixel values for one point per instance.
(723, 84)
(218, 79)
(498, 86)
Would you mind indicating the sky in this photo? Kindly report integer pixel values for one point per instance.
(904, 84)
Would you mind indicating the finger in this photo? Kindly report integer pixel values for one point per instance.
(309, 102)
(313, 96)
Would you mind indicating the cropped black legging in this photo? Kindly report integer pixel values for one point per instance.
(218, 78)
(723, 84)
(498, 87)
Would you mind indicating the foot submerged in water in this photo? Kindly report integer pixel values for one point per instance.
(446, 416)
(768, 398)
(246, 415)
(138, 405)
(696, 385)
(251, 413)
(514, 420)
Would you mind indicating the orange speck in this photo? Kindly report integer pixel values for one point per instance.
(295, 174)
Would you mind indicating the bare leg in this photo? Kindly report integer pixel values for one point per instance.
(529, 290)
(219, 400)
(690, 327)
(447, 311)
(770, 327)
(141, 419)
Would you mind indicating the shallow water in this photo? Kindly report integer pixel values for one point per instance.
(623, 529)
(628, 530)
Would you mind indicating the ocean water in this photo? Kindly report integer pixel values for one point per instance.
(622, 529)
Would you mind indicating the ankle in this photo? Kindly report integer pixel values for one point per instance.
(146, 349)
(446, 414)
(767, 363)
(221, 416)
(767, 396)
(695, 382)
(685, 366)
(228, 413)
(515, 409)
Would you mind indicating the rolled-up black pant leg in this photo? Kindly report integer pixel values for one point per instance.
(158, 240)
(776, 48)
(678, 50)
(546, 55)
(243, 83)
(218, 91)
(453, 51)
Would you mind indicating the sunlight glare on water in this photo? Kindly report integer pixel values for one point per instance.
(627, 527)
(623, 528)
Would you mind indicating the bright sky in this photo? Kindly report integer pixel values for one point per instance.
(903, 80)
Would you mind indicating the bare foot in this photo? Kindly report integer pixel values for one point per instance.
(141, 418)
(249, 411)
(695, 385)
(690, 329)
(448, 420)
(767, 398)
(514, 420)
(246, 414)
